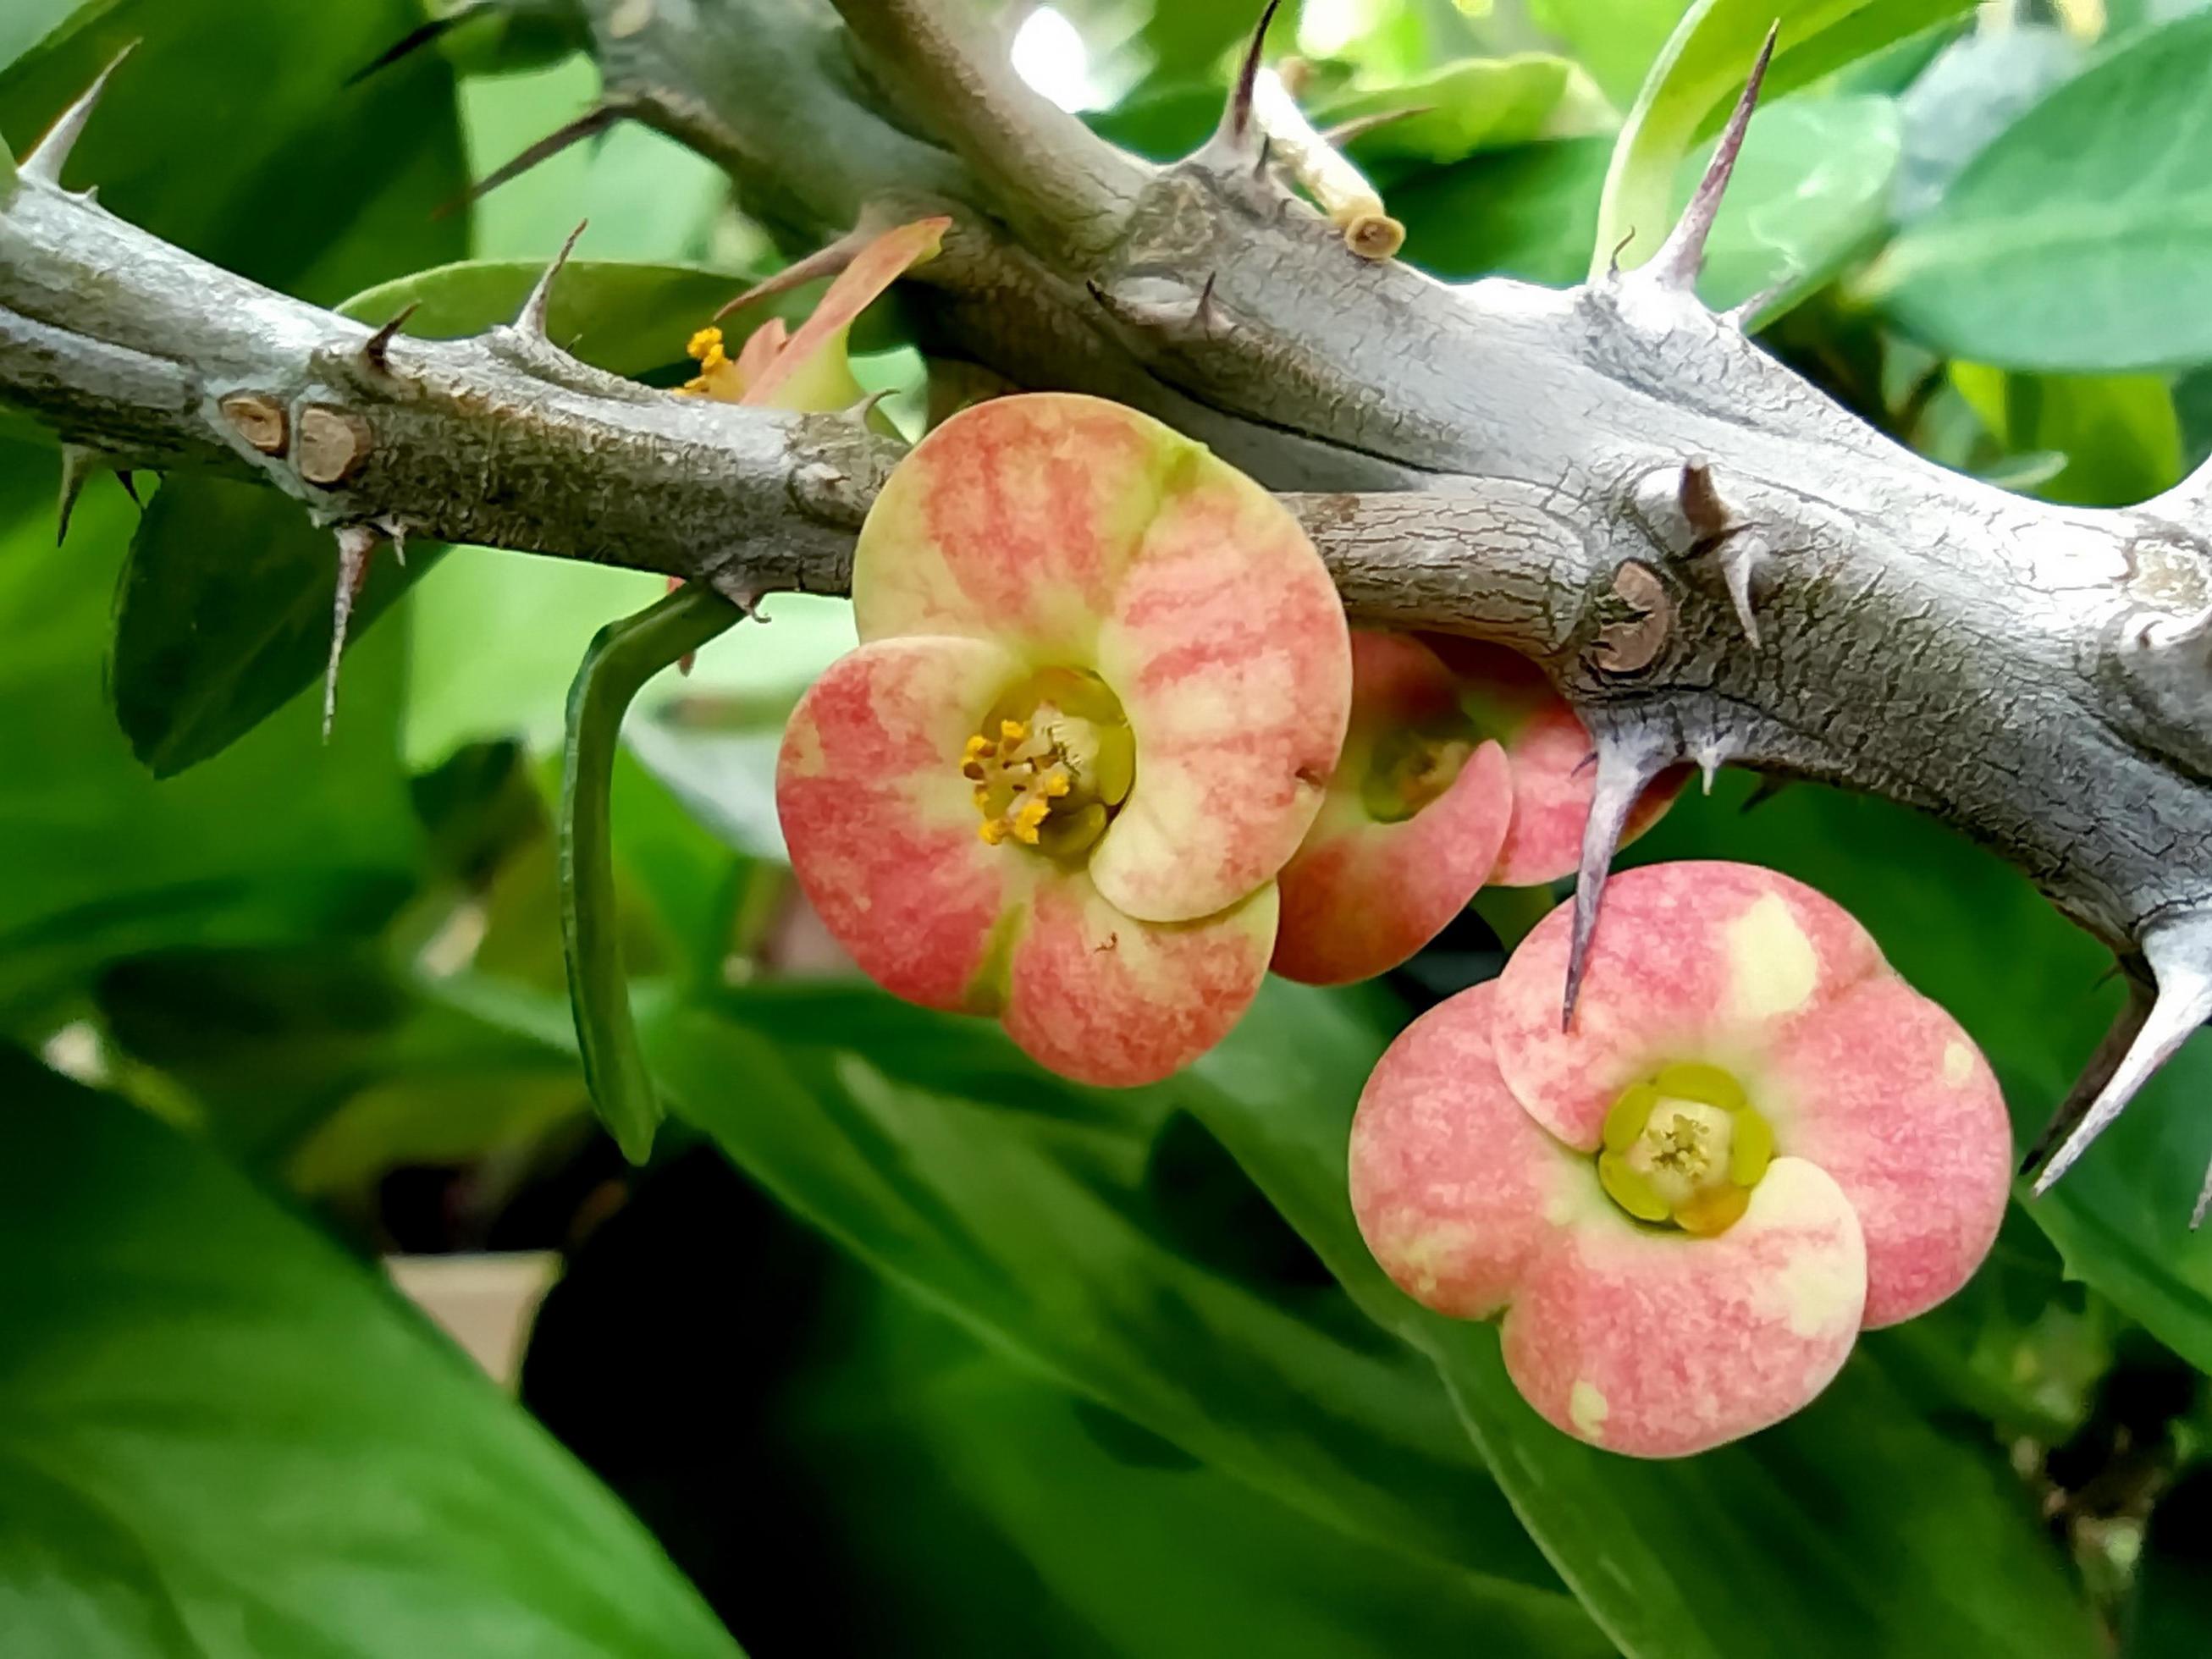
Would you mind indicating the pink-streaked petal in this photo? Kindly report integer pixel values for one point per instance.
(1658, 1344)
(1698, 961)
(1455, 1189)
(1227, 647)
(1885, 1092)
(882, 827)
(1102, 998)
(1016, 519)
(1359, 897)
(762, 347)
(810, 373)
(1554, 774)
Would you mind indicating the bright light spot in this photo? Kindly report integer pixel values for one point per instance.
(1048, 54)
(1326, 28)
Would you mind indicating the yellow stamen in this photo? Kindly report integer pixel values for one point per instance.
(992, 830)
(1029, 818)
(1054, 784)
(706, 343)
(1011, 731)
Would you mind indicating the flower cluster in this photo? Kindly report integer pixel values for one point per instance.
(1754, 1141)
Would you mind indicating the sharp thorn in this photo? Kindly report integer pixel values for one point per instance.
(2126, 1026)
(589, 124)
(77, 463)
(1206, 313)
(826, 261)
(123, 477)
(1739, 557)
(1237, 119)
(1742, 315)
(1626, 763)
(1699, 497)
(2203, 1202)
(531, 319)
(376, 350)
(356, 542)
(45, 163)
(412, 42)
(1346, 132)
(2179, 951)
(1682, 255)
(858, 413)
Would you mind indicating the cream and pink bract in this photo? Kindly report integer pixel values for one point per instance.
(1753, 1141)
(1103, 680)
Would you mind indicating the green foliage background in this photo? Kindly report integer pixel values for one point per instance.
(900, 1345)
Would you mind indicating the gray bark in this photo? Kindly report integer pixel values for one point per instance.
(1713, 561)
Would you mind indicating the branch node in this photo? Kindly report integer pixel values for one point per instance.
(259, 419)
(333, 445)
(1631, 644)
(45, 163)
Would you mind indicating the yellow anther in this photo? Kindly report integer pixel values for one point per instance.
(978, 747)
(1054, 784)
(1029, 818)
(992, 830)
(705, 344)
(1011, 731)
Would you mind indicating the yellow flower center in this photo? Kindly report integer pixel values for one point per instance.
(1053, 763)
(1410, 768)
(706, 348)
(1685, 1148)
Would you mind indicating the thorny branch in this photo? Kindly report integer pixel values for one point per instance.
(1714, 561)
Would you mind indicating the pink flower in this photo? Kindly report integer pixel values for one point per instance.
(1754, 1142)
(1103, 678)
(1548, 753)
(1415, 814)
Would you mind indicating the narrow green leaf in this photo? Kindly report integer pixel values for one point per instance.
(625, 655)
(2079, 238)
(2118, 435)
(221, 1435)
(1698, 78)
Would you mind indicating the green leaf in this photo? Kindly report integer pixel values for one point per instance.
(221, 1435)
(1698, 78)
(2119, 434)
(2076, 239)
(1810, 189)
(282, 839)
(1852, 1528)
(1476, 104)
(1038, 1214)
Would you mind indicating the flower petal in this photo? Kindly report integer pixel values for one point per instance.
(1885, 1092)
(882, 827)
(1659, 1344)
(1227, 647)
(1102, 998)
(811, 372)
(1553, 778)
(1455, 1189)
(1699, 960)
(1016, 519)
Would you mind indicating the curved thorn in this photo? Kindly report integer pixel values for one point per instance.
(123, 477)
(859, 411)
(77, 463)
(590, 125)
(45, 163)
(825, 261)
(530, 320)
(1237, 119)
(2126, 1026)
(1682, 254)
(1345, 132)
(375, 350)
(1703, 509)
(356, 543)
(1626, 764)
(2179, 952)
(414, 40)
(1740, 557)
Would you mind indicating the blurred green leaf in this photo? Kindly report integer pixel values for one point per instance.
(282, 839)
(1812, 187)
(2171, 1614)
(1852, 1528)
(223, 1437)
(27, 24)
(1021, 1206)
(2077, 239)
(1698, 78)
(1972, 933)
(2119, 434)
(1616, 40)
(1973, 89)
